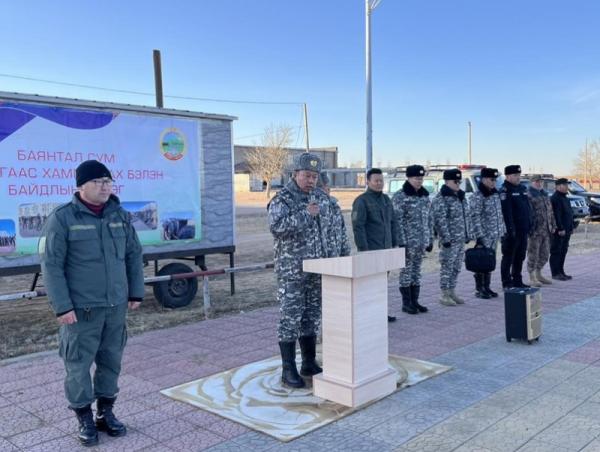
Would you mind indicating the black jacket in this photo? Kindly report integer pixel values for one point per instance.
(515, 208)
(373, 222)
(563, 213)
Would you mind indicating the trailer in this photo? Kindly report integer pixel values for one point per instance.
(173, 172)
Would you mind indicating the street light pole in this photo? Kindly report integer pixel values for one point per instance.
(470, 154)
(370, 5)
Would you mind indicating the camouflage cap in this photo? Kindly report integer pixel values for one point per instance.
(307, 162)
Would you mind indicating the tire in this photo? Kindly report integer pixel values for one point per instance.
(175, 293)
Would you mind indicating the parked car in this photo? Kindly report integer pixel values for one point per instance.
(434, 178)
(592, 199)
(578, 203)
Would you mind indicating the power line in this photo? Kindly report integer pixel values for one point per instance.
(142, 93)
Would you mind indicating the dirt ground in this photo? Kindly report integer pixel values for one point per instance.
(30, 326)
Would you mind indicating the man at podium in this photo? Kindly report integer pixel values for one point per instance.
(299, 217)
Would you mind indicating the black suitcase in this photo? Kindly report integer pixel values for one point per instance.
(480, 260)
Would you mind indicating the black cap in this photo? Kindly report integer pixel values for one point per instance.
(452, 174)
(562, 181)
(489, 172)
(512, 169)
(415, 171)
(89, 170)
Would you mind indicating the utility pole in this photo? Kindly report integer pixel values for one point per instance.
(306, 127)
(158, 78)
(370, 5)
(470, 154)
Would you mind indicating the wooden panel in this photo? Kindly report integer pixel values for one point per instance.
(370, 328)
(337, 328)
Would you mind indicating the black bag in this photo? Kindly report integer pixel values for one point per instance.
(480, 260)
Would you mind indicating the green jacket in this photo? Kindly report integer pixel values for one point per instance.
(90, 261)
(373, 221)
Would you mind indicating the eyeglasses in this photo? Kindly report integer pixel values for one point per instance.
(103, 182)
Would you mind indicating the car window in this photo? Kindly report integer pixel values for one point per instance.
(429, 185)
(395, 185)
(574, 186)
(468, 186)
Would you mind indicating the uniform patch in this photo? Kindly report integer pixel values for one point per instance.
(503, 196)
(81, 227)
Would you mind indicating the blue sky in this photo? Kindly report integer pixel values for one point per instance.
(525, 73)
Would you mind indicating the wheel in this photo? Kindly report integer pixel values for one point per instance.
(175, 293)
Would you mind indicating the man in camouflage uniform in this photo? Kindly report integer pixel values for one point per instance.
(487, 224)
(415, 233)
(299, 218)
(450, 213)
(338, 242)
(544, 225)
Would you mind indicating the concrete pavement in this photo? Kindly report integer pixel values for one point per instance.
(499, 397)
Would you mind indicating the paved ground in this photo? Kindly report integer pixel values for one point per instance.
(500, 397)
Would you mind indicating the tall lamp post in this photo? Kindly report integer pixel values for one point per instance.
(370, 6)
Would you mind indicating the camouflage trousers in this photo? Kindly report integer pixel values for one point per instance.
(299, 297)
(410, 275)
(451, 262)
(538, 252)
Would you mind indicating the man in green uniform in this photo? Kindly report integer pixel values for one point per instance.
(92, 266)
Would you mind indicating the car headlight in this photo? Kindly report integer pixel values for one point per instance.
(595, 200)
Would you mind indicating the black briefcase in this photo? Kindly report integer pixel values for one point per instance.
(480, 260)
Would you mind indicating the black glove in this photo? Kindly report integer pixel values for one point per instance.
(479, 242)
(447, 244)
(429, 248)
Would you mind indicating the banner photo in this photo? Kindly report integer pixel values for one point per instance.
(154, 161)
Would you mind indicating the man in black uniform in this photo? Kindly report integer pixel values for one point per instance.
(517, 217)
(564, 228)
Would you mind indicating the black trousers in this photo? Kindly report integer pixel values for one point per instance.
(514, 250)
(558, 253)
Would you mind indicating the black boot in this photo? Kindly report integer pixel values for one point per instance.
(519, 284)
(407, 305)
(487, 281)
(308, 348)
(414, 297)
(88, 434)
(106, 421)
(289, 374)
(480, 291)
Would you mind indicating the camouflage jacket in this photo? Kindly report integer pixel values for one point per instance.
(339, 244)
(450, 214)
(297, 235)
(415, 225)
(543, 215)
(487, 221)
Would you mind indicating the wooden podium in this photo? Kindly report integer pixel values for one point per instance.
(355, 329)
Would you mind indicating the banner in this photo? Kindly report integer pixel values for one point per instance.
(154, 161)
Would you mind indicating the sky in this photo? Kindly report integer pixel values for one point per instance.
(525, 73)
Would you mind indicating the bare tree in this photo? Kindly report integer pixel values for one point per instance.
(586, 166)
(269, 160)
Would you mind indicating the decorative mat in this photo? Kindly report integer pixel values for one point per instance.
(253, 395)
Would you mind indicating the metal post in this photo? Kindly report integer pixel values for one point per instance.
(158, 78)
(206, 298)
(470, 154)
(306, 127)
(369, 162)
